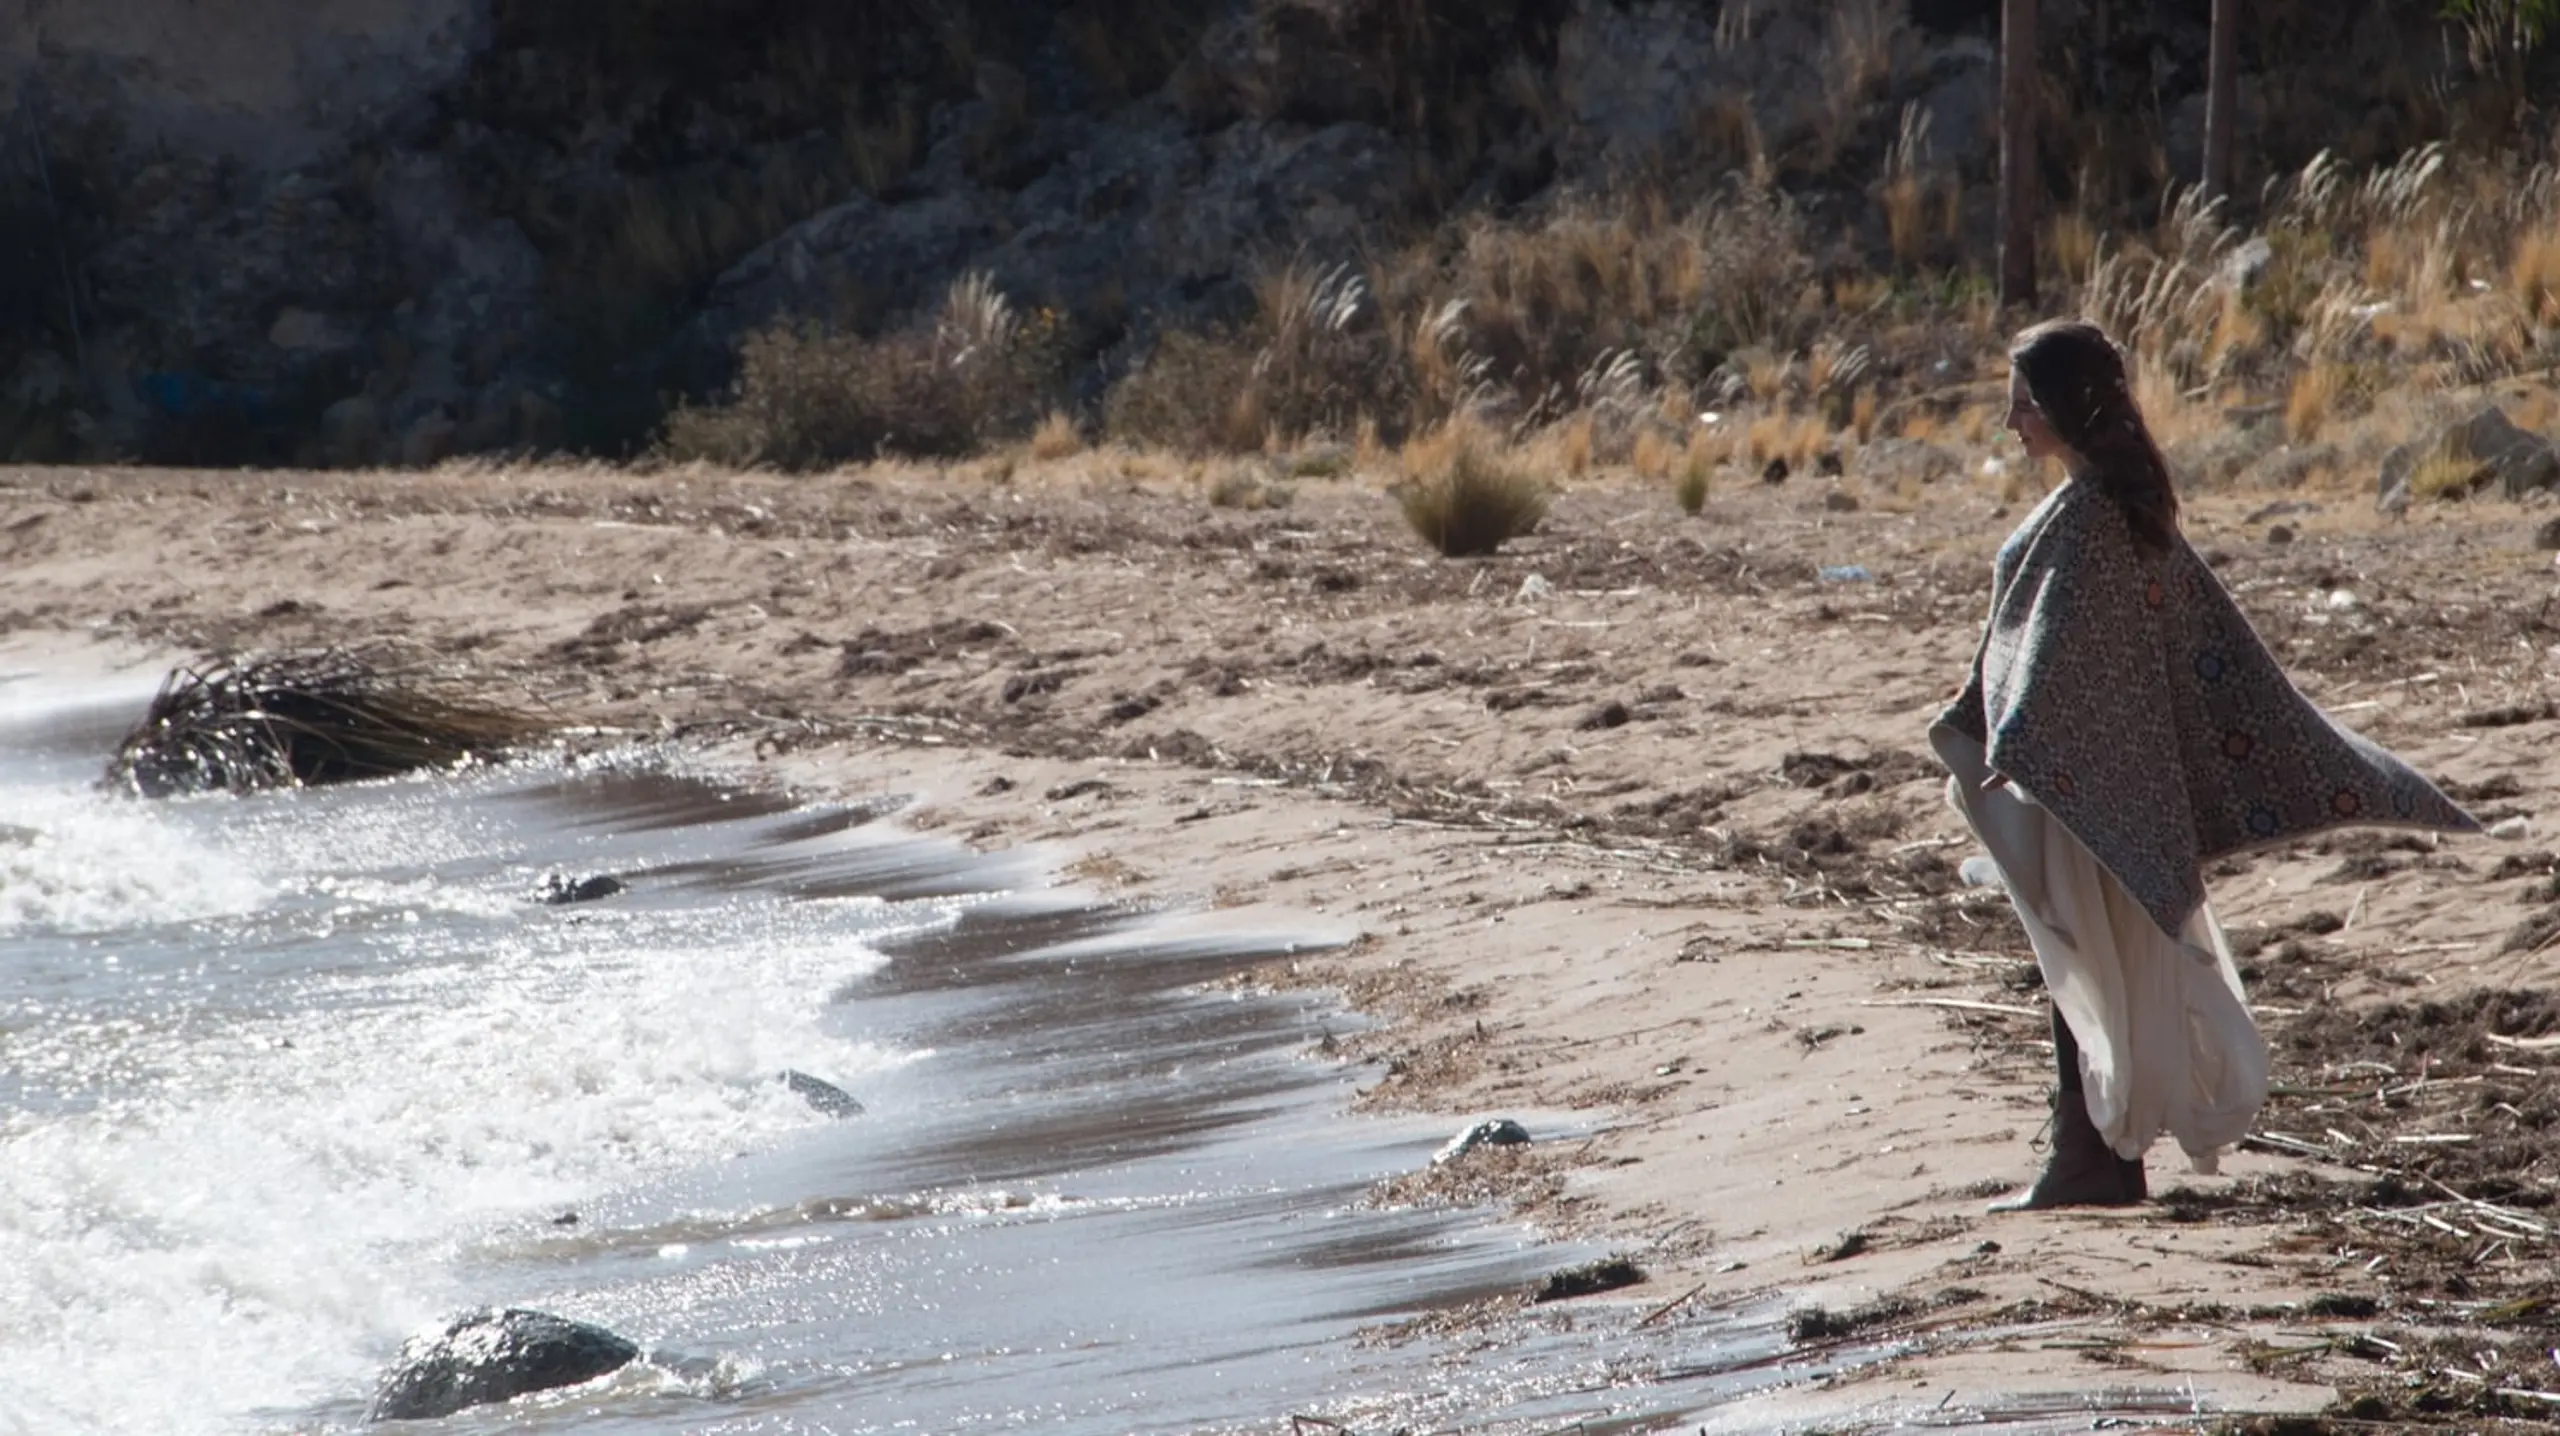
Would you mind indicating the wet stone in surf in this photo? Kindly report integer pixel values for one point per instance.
(489, 1356)
(821, 1094)
(559, 891)
(1492, 1132)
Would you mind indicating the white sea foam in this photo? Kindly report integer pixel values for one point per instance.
(288, 1199)
(251, 1156)
(78, 862)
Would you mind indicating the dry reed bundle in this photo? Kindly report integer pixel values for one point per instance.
(239, 724)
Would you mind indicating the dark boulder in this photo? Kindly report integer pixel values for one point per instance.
(485, 1356)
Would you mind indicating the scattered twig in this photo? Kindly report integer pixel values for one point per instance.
(2082, 1292)
(1953, 1004)
(1668, 1307)
(2524, 1044)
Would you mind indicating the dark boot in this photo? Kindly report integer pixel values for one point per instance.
(2081, 1170)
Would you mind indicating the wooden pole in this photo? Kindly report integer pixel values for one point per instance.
(2222, 99)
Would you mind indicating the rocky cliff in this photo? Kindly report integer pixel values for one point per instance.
(364, 231)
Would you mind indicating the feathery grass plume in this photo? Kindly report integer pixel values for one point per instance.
(289, 719)
(2312, 399)
(1614, 394)
(1904, 190)
(2071, 240)
(1465, 496)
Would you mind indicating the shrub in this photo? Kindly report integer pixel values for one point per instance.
(1325, 358)
(808, 398)
(1469, 497)
(1754, 265)
(1190, 395)
(1316, 359)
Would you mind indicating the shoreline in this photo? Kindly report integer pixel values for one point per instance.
(1651, 838)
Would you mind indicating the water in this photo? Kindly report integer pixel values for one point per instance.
(288, 1078)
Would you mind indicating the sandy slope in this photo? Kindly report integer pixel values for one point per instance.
(1632, 823)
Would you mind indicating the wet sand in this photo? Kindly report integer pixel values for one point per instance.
(1633, 822)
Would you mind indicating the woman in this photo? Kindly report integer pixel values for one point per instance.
(2122, 727)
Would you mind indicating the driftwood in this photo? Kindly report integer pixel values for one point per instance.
(290, 719)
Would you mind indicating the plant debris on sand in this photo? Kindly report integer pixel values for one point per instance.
(2438, 1249)
(239, 724)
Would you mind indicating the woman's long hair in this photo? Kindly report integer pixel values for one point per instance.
(2076, 377)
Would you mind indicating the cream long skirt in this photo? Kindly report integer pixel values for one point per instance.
(2166, 1042)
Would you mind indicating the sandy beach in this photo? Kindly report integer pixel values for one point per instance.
(1633, 822)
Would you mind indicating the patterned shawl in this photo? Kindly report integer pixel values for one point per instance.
(2125, 694)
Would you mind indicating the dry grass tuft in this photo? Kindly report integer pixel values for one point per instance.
(1573, 444)
(1697, 470)
(2309, 404)
(1056, 438)
(1654, 454)
(1543, 306)
(2443, 475)
(1904, 191)
(1862, 414)
(1467, 496)
(2534, 276)
(1243, 486)
(1784, 435)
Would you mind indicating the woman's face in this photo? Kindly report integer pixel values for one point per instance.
(2035, 432)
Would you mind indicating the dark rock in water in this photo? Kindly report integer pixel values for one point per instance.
(826, 1096)
(487, 1356)
(1491, 1132)
(559, 891)
(1607, 1274)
